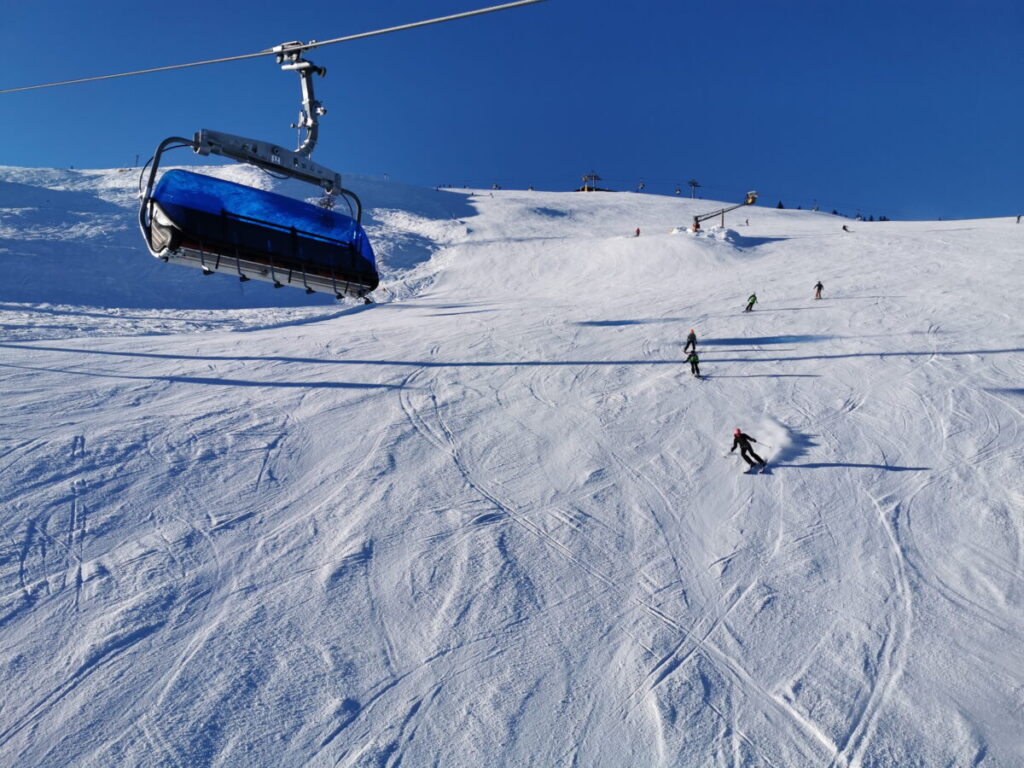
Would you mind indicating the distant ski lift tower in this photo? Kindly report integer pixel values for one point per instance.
(693, 187)
(590, 182)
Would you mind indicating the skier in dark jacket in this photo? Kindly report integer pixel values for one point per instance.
(751, 301)
(818, 288)
(693, 360)
(743, 440)
(691, 341)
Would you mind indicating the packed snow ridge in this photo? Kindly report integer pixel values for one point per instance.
(493, 520)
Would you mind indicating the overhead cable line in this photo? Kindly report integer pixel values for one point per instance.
(285, 48)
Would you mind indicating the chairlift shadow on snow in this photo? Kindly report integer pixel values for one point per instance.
(742, 241)
(549, 213)
(1006, 391)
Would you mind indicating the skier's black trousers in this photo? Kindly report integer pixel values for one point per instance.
(744, 450)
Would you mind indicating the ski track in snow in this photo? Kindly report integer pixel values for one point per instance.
(492, 520)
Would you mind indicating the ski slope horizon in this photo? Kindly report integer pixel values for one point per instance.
(493, 519)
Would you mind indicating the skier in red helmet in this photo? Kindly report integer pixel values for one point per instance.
(742, 440)
(691, 341)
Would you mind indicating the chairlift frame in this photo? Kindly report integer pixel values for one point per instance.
(155, 223)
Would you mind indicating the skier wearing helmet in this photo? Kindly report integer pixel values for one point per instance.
(743, 441)
(691, 341)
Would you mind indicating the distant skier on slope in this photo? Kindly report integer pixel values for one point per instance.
(637, 233)
(691, 341)
(846, 228)
(743, 441)
(693, 360)
(751, 301)
(818, 288)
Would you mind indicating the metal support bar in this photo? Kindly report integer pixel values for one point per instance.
(750, 200)
(266, 156)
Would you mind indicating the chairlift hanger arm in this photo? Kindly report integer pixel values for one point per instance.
(285, 48)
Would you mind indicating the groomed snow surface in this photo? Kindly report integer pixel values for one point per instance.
(492, 520)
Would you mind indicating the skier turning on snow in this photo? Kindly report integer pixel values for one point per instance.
(743, 440)
(751, 301)
(691, 341)
(818, 288)
(693, 360)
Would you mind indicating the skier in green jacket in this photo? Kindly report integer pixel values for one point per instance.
(693, 360)
(751, 301)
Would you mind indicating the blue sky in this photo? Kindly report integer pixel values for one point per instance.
(904, 109)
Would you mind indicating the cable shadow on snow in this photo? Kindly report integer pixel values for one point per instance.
(638, 321)
(853, 298)
(766, 376)
(771, 340)
(855, 355)
(800, 444)
(764, 311)
(205, 380)
(500, 363)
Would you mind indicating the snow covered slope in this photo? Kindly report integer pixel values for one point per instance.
(494, 521)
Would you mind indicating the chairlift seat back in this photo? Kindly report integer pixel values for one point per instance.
(232, 222)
